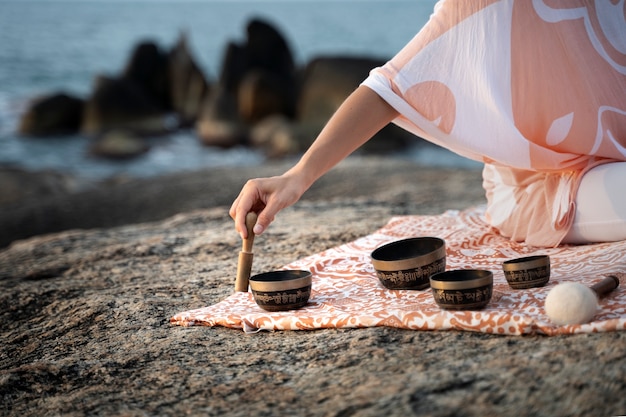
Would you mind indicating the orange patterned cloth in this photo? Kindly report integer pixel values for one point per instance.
(532, 88)
(347, 293)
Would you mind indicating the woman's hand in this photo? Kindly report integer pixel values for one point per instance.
(266, 197)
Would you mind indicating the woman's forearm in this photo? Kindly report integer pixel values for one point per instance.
(359, 118)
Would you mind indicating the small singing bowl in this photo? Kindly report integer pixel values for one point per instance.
(462, 289)
(281, 290)
(408, 264)
(529, 272)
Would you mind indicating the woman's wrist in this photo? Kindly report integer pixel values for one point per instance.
(303, 175)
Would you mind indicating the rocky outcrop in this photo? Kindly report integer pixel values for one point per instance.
(154, 89)
(85, 323)
(160, 91)
(153, 86)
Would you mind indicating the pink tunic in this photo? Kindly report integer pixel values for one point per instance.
(535, 89)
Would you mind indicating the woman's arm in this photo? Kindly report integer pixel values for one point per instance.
(360, 116)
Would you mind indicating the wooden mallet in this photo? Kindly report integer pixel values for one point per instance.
(244, 266)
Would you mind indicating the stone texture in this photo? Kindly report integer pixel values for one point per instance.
(85, 322)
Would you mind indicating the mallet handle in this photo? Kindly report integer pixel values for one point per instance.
(605, 286)
(244, 267)
(244, 264)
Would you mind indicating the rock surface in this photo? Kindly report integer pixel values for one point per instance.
(85, 320)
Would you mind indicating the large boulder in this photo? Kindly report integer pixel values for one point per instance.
(188, 86)
(121, 103)
(268, 49)
(257, 80)
(326, 82)
(54, 114)
(265, 48)
(269, 84)
(262, 94)
(148, 69)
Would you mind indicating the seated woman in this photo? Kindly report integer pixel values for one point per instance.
(536, 90)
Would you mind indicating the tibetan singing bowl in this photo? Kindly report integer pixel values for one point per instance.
(281, 290)
(462, 289)
(529, 272)
(409, 263)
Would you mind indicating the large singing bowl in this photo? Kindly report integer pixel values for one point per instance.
(408, 264)
(281, 290)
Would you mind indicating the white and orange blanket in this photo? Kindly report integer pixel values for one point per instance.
(347, 293)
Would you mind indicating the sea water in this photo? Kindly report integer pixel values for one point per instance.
(49, 46)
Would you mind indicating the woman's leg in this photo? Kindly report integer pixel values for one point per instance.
(600, 206)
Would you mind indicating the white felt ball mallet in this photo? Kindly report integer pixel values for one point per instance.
(575, 303)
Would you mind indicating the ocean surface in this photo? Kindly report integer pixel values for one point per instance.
(49, 46)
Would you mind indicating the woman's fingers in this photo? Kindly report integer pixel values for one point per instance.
(266, 197)
(253, 197)
(244, 203)
(264, 219)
